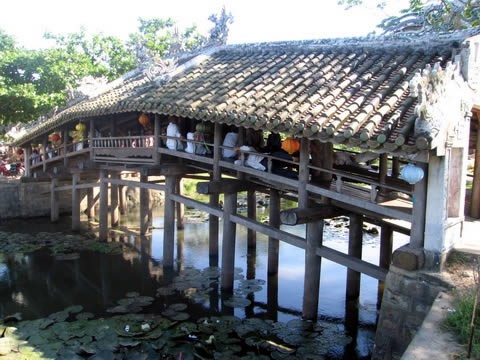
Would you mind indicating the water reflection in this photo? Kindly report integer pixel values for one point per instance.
(37, 285)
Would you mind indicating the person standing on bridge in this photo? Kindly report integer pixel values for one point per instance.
(173, 131)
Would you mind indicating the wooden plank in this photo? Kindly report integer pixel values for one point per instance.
(358, 265)
(303, 216)
(151, 186)
(224, 186)
(210, 209)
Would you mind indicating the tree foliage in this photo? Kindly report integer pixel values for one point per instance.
(429, 15)
(33, 82)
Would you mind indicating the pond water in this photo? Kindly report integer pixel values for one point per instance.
(37, 284)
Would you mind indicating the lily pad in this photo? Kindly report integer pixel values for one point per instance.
(74, 309)
(178, 307)
(85, 316)
(237, 301)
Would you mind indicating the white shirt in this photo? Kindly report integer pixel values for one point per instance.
(230, 140)
(190, 145)
(173, 131)
(253, 160)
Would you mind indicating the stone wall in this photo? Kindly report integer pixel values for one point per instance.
(30, 198)
(407, 299)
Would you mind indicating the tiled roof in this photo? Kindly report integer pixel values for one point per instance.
(351, 91)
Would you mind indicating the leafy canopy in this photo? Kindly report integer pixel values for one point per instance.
(33, 82)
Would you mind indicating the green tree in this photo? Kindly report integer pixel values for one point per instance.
(428, 16)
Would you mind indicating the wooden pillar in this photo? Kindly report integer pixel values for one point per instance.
(91, 135)
(27, 151)
(216, 175)
(45, 155)
(313, 264)
(417, 233)
(386, 245)
(274, 221)
(180, 206)
(75, 202)
(355, 250)
(156, 139)
(122, 205)
(103, 211)
(475, 198)
(65, 148)
(382, 173)
(303, 176)
(169, 223)
(144, 205)
(54, 208)
(114, 211)
(251, 214)
(395, 167)
(90, 203)
(228, 244)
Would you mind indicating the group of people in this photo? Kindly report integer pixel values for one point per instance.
(253, 153)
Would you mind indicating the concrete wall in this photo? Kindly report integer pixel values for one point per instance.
(407, 299)
(30, 198)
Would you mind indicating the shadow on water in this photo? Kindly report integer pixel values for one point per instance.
(38, 284)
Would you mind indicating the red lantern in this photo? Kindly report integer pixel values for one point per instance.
(20, 152)
(144, 120)
(290, 145)
(55, 137)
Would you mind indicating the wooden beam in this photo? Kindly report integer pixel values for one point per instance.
(212, 210)
(307, 215)
(225, 186)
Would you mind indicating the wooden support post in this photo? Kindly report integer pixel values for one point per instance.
(251, 214)
(395, 167)
(304, 175)
(90, 203)
(26, 160)
(417, 233)
(273, 244)
(313, 265)
(114, 210)
(103, 211)
(228, 245)
(272, 297)
(144, 205)
(91, 135)
(45, 155)
(382, 173)
(180, 206)
(122, 205)
(214, 198)
(54, 208)
(386, 246)
(156, 139)
(354, 249)
(75, 202)
(64, 146)
(475, 197)
(169, 223)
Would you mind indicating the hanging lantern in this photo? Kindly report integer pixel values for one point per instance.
(290, 145)
(80, 127)
(411, 174)
(144, 120)
(55, 137)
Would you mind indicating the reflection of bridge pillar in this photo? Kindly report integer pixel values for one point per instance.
(355, 250)
(169, 222)
(144, 205)
(54, 211)
(313, 264)
(114, 211)
(103, 211)
(214, 198)
(274, 221)
(75, 202)
(90, 203)
(122, 205)
(252, 214)
(180, 206)
(228, 244)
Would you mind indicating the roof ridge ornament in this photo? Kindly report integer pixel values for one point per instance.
(161, 71)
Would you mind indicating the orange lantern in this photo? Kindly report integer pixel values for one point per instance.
(290, 145)
(144, 120)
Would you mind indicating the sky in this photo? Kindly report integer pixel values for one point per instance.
(254, 20)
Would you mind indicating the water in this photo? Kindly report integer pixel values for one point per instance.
(37, 284)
